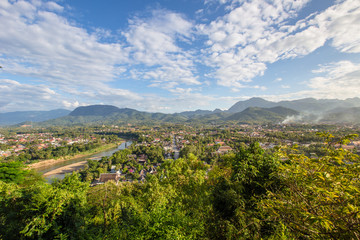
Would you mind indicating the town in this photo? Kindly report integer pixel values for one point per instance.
(207, 174)
(152, 145)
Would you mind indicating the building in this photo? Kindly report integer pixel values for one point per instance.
(223, 149)
(104, 177)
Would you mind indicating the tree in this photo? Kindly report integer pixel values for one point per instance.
(12, 172)
(320, 199)
(43, 211)
(236, 199)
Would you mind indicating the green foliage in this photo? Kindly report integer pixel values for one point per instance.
(235, 199)
(160, 208)
(34, 154)
(12, 172)
(256, 114)
(155, 152)
(42, 211)
(320, 199)
(246, 194)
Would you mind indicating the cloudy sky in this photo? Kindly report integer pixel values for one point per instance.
(171, 56)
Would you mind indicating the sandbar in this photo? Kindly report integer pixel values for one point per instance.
(67, 169)
(49, 162)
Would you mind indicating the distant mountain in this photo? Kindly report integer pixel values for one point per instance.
(345, 115)
(302, 105)
(195, 113)
(210, 118)
(12, 118)
(252, 102)
(107, 114)
(254, 110)
(198, 113)
(95, 110)
(256, 114)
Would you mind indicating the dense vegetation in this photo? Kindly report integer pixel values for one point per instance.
(250, 194)
(37, 145)
(35, 154)
(122, 162)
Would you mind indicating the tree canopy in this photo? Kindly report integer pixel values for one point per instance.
(249, 194)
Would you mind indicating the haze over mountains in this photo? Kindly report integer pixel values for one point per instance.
(254, 110)
(302, 105)
(11, 118)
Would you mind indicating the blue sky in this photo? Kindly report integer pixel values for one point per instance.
(172, 56)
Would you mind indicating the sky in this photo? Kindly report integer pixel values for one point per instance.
(172, 56)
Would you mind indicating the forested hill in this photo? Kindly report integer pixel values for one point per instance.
(300, 105)
(106, 114)
(256, 114)
(254, 110)
(95, 110)
(347, 115)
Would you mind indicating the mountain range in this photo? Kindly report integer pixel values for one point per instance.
(310, 105)
(254, 110)
(11, 118)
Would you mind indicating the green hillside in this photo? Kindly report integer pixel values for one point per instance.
(255, 114)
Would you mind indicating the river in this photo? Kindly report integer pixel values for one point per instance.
(96, 156)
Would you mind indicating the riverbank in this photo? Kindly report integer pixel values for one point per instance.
(66, 169)
(49, 162)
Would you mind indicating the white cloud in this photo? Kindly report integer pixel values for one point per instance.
(263, 88)
(53, 6)
(334, 80)
(181, 91)
(188, 100)
(17, 96)
(37, 42)
(256, 33)
(71, 105)
(343, 25)
(69, 65)
(338, 80)
(73, 61)
(239, 41)
(153, 42)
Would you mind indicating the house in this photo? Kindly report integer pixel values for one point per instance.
(223, 149)
(142, 159)
(104, 177)
(5, 153)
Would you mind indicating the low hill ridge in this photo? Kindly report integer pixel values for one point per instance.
(95, 110)
(257, 114)
(300, 105)
(12, 118)
(254, 110)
